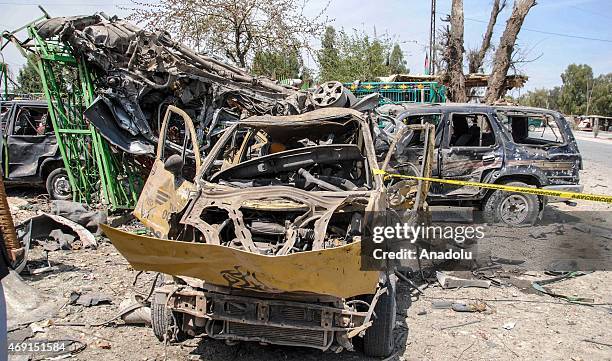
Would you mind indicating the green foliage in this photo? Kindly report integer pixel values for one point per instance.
(601, 98)
(541, 98)
(353, 56)
(572, 98)
(328, 56)
(276, 65)
(28, 78)
(574, 95)
(397, 63)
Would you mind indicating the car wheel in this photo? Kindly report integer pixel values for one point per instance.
(58, 185)
(162, 320)
(378, 339)
(512, 208)
(531, 127)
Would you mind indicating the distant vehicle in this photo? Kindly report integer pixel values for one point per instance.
(534, 123)
(29, 150)
(589, 122)
(585, 125)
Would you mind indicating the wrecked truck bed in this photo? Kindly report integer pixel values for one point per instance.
(264, 242)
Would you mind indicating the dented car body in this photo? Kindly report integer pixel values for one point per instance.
(496, 144)
(265, 242)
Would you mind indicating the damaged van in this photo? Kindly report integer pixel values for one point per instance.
(516, 146)
(263, 240)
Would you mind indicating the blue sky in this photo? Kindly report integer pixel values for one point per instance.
(408, 22)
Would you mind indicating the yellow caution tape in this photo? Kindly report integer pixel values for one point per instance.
(528, 190)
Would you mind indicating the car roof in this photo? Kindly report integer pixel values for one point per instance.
(26, 102)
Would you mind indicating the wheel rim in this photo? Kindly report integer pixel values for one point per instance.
(514, 209)
(61, 186)
(328, 93)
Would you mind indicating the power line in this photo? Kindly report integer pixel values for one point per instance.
(65, 4)
(550, 32)
(590, 12)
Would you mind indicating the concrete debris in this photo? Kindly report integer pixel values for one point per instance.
(64, 240)
(455, 282)
(509, 325)
(469, 307)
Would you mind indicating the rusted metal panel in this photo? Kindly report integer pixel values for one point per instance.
(333, 271)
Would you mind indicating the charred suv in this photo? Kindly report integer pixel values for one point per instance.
(517, 146)
(29, 153)
(264, 244)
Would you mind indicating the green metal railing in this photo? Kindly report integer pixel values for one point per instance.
(98, 173)
(4, 81)
(401, 92)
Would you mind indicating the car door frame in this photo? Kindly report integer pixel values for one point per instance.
(485, 160)
(163, 193)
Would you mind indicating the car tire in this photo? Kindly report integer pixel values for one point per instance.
(531, 127)
(162, 319)
(511, 208)
(378, 339)
(58, 185)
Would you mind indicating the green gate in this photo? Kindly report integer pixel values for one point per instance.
(401, 92)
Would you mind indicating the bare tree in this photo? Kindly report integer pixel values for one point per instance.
(234, 28)
(476, 57)
(454, 55)
(501, 62)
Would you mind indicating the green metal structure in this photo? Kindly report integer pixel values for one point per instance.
(401, 92)
(4, 80)
(98, 174)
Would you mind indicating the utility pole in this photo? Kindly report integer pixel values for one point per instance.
(432, 39)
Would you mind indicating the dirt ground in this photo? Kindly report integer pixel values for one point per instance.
(518, 323)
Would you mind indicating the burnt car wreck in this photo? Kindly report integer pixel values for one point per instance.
(264, 241)
(516, 146)
(29, 153)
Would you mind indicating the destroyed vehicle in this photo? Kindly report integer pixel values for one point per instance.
(30, 153)
(492, 144)
(265, 246)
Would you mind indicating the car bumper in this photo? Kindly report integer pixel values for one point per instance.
(574, 188)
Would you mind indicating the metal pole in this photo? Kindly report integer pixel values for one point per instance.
(432, 39)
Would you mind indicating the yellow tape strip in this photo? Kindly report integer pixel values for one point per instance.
(528, 190)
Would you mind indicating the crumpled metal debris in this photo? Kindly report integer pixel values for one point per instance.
(25, 304)
(80, 213)
(89, 299)
(138, 73)
(43, 224)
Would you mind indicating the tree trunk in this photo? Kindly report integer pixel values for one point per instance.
(496, 86)
(455, 54)
(477, 58)
(7, 227)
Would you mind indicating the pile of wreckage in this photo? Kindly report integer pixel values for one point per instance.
(245, 163)
(139, 73)
(258, 198)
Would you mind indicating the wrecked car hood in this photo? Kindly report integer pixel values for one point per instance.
(334, 271)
